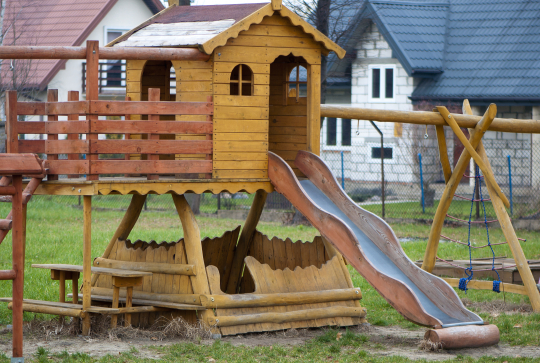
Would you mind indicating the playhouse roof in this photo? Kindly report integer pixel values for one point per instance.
(208, 27)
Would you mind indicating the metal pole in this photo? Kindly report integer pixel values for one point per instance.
(382, 166)
(510, 183)
(342, 173)
(421, 183)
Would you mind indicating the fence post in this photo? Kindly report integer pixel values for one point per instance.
(342, 173)
(421, 183)
(510, 184)
(382, 165)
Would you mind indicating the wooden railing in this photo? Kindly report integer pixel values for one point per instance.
(85, 154)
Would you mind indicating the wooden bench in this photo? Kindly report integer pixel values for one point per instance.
(120, 278)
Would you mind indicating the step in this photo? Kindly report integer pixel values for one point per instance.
(161, 304)
(96, 270)
(5, 224)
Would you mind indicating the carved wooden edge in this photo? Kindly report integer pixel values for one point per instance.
(395, 292)
(435, 288)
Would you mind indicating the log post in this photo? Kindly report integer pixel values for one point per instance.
(18, 267)
(194, 254)
(73, 96)
(244, 241)
(87, 261)
(92, 94)
(12, 145)
(124, 229)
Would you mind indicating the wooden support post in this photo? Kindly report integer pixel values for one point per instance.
(87, 260)
(124, 229)
(209, 136)
(153, 95)
(73, 96)
(193, 248)
(75, 287)
(52, 96)
(92, 94)
(115, 298)
(62, 293)
(129, 303)
(313, 109)
(244, 241)
(12, 145)
(443, 153)
(448, 193)
(18, 267)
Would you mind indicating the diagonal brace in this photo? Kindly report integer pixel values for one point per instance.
(490, 178)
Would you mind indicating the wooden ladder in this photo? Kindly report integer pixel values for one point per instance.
(12, 168)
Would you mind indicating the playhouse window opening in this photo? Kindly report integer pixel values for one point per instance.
(296, 84)
(242, 81)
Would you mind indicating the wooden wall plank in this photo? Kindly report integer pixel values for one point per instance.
(240, 126)
(233, 156)
(245, 136)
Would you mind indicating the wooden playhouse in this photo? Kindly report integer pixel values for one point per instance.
(246, 81)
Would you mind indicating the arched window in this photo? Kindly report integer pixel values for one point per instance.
(296, 84)
(241, 81)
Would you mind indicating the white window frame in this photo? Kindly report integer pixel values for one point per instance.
(382, 99)
(338, 145)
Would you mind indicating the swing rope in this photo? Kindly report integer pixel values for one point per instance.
(463, 282)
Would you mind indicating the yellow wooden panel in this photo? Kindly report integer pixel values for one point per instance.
(240, 174)
(224, 89)
(276, 20)
(241, 136)
(177, 64)
(193, 96)
(292, 110)
(263, 55)
(239, 165)
(288, 130)
(288, 138)
(194, 74)
(135, 96)
(245, 113)
(134, 74)
(277, 99)
(287, 146)
(133, 86)
(237, 146)
(227, 67)
(193, 86)
(248, 101)
(135, 64)
(276, 31)
(226, 78)
(240, 126)
(232, 156)
(270, 41)
(314, 109)
(287, 121)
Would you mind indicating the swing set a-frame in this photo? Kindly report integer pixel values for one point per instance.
(474, 149)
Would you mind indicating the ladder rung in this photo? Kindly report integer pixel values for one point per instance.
(9, 198)
(5, 224)
(9, 190)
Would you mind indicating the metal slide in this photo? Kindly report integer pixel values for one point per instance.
(369, 244)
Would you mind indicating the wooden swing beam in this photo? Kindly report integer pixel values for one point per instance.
(429, 118)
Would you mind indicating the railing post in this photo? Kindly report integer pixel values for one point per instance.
(153, 95)
(11, 124)
(421, 182)
(92, 92)
(17, 235)
(52, 96)
(73, 96)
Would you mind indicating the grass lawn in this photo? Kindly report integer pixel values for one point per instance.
(55, 236)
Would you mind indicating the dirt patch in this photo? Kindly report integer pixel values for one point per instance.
(383, 341)
(497, 307)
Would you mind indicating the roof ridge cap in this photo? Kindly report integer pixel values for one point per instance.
(411, 2)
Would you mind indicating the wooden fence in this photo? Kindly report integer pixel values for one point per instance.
(86, 151)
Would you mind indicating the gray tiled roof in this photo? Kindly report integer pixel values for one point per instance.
(479, 49)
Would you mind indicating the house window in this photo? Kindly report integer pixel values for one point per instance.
(345, 132)
(241, 81)
(381, 83)
(331, 131)
(115, 70)
(376, 153)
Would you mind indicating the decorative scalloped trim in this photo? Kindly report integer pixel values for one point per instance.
(202, 189)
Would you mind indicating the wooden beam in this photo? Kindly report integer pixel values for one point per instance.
(12, 134)
(448, 193)
(490, 178)
(43, 309)
(131, 53)
(52, 96)
(92, 93)
(313, 109)
(154, 267)
(443, 153)
(87, 260)
(244, 241)
(17, 235)
(428, 118)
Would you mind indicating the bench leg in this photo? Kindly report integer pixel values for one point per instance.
(75, 287)
(115, 298)
(62, 297)
(129, 302)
